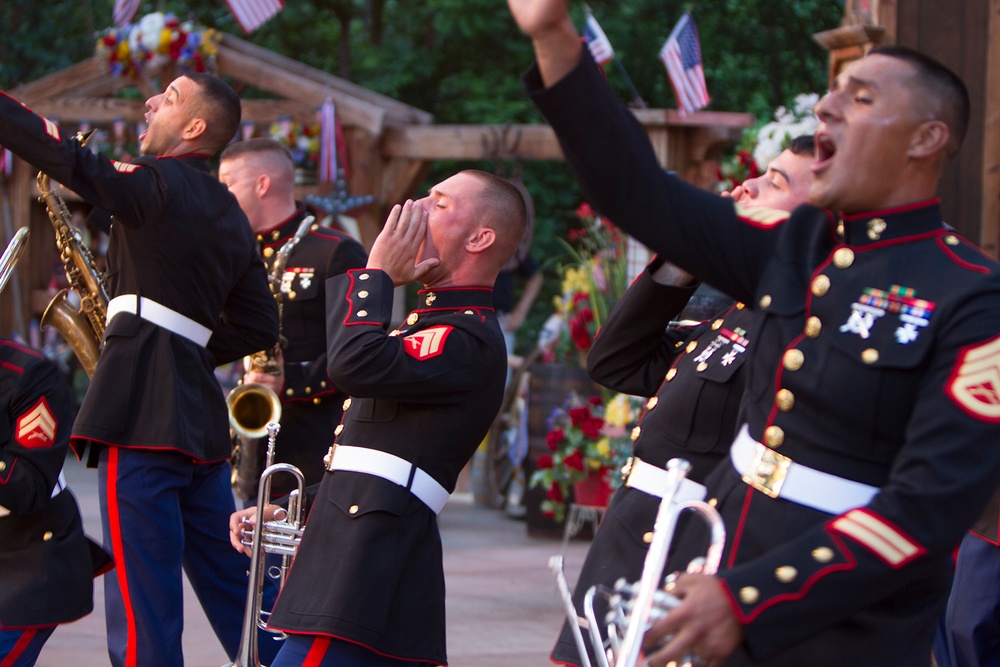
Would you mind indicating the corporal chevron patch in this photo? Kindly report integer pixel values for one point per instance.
(761, 216)
(51, 129)
(426, 344)
(36, 428)
(878, 536)
(975, 381)
(124, 167)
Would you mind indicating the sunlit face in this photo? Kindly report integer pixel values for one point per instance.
(451, 213)
(783, 186)
(167, 115)
(867, 122)
(240, 175)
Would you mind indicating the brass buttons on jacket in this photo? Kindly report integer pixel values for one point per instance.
(875, 228)
(268, 252)
(765, 301)
(670, 374)
(749, 595)
(347, 403)
(363, 294)
(822, 554)
(47, 535)
(651, 403)
(951, 239)
(712, 502)
(820, 285)
(785, 400)
(716, 325)
(339, 429)
(430, 298)
(647, 537)
(362, 313)
(289, 392)
(701, 366)
(843, 258)
(774, 436)
(3, 466)
(363, 276)
(869, 356)
(691, 347)
(786, 574)
(793, 359)
(813, 327)
(354, 509)
(635, 433)
(412, 318)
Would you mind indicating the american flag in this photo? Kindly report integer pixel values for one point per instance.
(327, 142)
(681, 55)
(124, 11)
(251, 14)
(597, 41)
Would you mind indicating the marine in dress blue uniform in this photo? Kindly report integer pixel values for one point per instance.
(188, 292)
(47, 564)
(870, 414)
(368, 572)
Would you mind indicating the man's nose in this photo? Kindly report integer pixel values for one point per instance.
(751, 188)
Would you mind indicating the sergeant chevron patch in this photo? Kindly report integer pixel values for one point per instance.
(975, 381)
(878, 536)
(761, 216)
(428, 343)
(36, 428)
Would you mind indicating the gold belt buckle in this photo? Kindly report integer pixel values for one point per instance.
(328, 459)
(767, 470)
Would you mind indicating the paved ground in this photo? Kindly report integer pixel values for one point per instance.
(503, 609)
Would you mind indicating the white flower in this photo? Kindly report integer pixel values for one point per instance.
(145, 37)
(773, 137)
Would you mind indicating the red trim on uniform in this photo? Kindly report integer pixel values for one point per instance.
(739, 526)
(316, 652)
(895, 209)
(961, 262)
(26, 350)
(347, 319)
(10, 471)
(807, 585)
(452, 309)
(891, 242)
(418, 661)
(12, 367)
(23, 642)
(118, 549)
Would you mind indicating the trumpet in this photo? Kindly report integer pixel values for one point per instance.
(633, 607)
(278, 536)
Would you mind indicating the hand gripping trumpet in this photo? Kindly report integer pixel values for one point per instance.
(273, 537)
(633, 607)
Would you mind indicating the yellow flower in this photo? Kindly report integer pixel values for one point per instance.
(618, 411)
(603, 448)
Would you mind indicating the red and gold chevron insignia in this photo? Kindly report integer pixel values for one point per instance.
(124, 167)
(975, 381)
(427, 343)
(761, 216)
(36, 428)
(879, 536)
(51, 129)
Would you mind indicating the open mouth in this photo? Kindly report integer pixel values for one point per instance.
(825, 150)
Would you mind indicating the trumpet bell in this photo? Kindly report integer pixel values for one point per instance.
(251, 408)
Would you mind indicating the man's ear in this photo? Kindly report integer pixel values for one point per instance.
(482, 238)
(262, 185)
(194, 129)
(929, 139)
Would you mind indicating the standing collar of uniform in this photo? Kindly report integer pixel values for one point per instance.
(453, 298)
(894, 223)
(284, 229)
(199, 160)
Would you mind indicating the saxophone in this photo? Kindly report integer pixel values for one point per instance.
(83, 329)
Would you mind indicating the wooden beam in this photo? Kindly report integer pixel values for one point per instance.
(989, 237)
(103, 110)
(65, 81)
(397, 113)
(352, 111)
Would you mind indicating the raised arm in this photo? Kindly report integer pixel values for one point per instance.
(555, 38)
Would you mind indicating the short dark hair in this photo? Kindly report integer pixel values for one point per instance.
(257, 146)
(507, 211)
(220, 106)
(942, 91)
(804, 144)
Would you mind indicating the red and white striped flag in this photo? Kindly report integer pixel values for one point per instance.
(327, 142)
(597, 41)
(251, 14)
(681, 55)
(124, 11)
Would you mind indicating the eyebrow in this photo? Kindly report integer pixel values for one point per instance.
(176, 90)
(782, 173)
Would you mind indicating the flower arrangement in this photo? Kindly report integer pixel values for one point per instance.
(586, 437)
(154, 41)
(774, 136)
(301, 140)
(593, 279)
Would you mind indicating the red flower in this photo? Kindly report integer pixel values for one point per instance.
(579, 331)
(585, 212)
(555, 493)
(544, 461)
(554, 437)
(574, 461)
(595, 400)
(592, 427)
(579, 414)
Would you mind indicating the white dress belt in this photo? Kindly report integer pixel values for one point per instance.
(56, 490)
(160, 315)
(780, 477)
(655, 481)
(390, 467)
